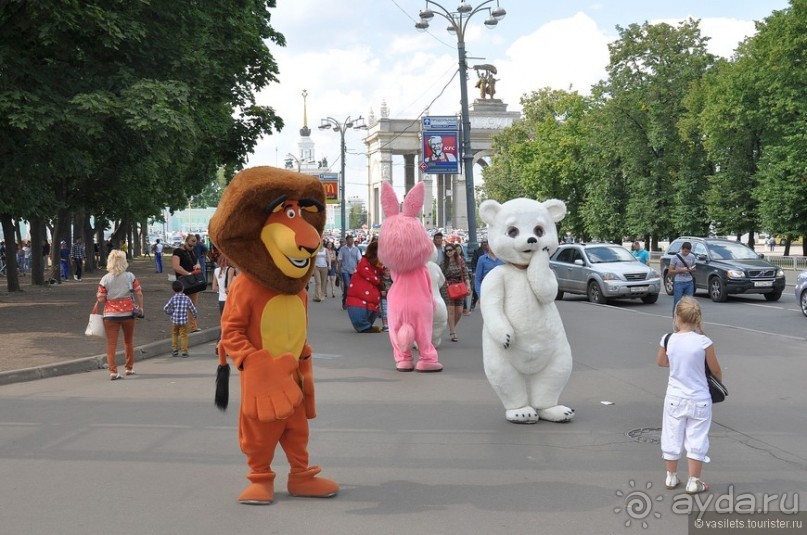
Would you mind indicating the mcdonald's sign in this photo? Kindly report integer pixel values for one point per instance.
(330, 183)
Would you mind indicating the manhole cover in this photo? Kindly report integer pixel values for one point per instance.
(648, 435)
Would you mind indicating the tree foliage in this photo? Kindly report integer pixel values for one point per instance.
(124, 107)
(674, 141)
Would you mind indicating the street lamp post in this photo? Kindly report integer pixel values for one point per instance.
(457, 23)
(336, 126)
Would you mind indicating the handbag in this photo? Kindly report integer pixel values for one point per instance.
(95, 326)
(193, 283)
(717, 390)
(457, 290)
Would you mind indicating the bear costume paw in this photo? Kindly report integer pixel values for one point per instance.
(524, 415)
(558, 414)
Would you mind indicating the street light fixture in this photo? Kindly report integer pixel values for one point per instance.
(336, 126)
(457, 23)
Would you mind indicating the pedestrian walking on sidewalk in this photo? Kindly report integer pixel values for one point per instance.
(179, 308)
(184, 262)
(158, 256)
(78, 254)
(120, 294)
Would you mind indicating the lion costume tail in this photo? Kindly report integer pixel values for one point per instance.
(222, 397)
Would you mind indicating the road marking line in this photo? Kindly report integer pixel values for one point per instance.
(764, 306)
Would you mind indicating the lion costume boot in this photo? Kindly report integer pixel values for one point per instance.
(269, 224)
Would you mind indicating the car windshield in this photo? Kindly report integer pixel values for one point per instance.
(731, 251)
(600, 255)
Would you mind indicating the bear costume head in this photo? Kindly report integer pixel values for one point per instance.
(519, 227)
(269, 224)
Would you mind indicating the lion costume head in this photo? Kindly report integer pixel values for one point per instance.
(269, 224)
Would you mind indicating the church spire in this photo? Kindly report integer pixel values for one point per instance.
(305, 131)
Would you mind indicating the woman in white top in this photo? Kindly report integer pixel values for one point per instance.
(687, 404)
(331, 283)
(120, 294)
(320, 273)
(222, 278)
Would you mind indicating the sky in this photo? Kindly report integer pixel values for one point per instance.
(350, 56)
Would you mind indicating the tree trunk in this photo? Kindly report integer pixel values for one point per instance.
(37, 240)
(87, 232)
(12, 276)
(61, 233)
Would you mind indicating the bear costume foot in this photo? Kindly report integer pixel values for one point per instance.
(428, 367)
(307, 485)
(261, 491)
(558, 414)
(524, 415)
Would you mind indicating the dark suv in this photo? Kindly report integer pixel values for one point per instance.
(726, 267)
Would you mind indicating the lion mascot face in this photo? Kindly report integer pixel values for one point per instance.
(269, 224)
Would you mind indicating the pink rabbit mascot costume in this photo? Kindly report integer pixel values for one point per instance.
(405, 248)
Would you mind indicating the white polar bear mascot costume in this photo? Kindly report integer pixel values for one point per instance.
(526, 355)
(440, 311)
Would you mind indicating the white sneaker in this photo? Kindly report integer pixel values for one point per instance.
(672, 480)
(696, 486)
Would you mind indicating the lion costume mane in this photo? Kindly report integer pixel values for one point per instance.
(269, 224)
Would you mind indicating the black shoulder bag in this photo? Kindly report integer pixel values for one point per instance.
(716, 389)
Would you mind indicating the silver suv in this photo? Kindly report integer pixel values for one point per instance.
(603, 271)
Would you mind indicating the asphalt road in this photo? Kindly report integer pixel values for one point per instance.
(414, 453)
(747, 312)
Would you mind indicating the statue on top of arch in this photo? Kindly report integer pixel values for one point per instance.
(486, 83)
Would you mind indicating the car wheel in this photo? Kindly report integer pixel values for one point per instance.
(668, 283)
(595, 294)
(803, 302)
(774, 295)
(650, 299)
(717, 290)
(559, 296)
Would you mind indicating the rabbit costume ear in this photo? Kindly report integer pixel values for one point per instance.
(389, 201)
(413, 202)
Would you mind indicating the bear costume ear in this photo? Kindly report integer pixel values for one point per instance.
(556, 208)
(389, 201)
(488, 210)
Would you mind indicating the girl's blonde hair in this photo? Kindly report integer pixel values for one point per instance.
(116, 263)
(688, 311)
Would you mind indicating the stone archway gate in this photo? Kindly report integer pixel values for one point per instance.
(388, 138)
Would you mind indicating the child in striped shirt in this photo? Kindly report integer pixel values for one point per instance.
(178, 307)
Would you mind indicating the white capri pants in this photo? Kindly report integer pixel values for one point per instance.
(686, 426)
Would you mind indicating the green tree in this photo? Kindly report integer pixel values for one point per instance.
(357, 216)
(124, 107)
(722, 110)
(776, 57)
(539, 156)
(650, 71)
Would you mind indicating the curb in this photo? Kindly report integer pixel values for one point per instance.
(98, 362)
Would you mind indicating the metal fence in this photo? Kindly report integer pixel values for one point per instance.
(788, 262)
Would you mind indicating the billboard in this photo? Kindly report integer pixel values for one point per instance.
(441, 148)
(330, 183)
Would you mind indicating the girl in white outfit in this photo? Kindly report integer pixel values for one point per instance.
(687, 404)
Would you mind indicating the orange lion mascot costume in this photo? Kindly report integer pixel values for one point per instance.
(269, 224)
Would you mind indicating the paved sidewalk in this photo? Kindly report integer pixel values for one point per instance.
(42, 327)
